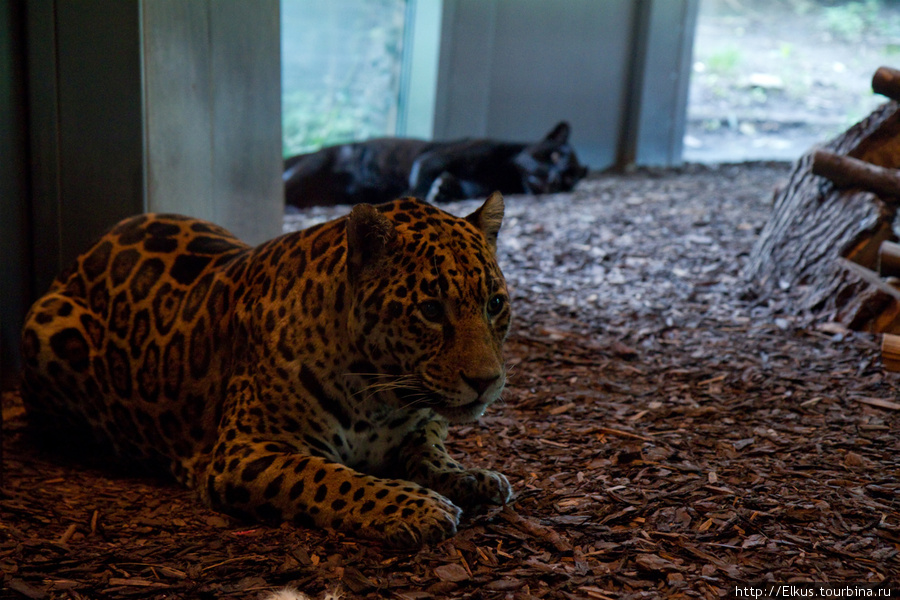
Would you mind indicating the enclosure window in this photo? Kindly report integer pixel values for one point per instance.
(773, 77)
(341, 63)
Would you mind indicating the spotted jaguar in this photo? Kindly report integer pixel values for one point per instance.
(309, 379)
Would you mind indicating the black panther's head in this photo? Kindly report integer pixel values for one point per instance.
(550, 165)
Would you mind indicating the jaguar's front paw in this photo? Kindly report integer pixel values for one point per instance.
(475, 487)
(427, 519)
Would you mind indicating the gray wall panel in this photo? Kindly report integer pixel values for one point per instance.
(100, 127)
(246, 117)
(177, 96)
(664, 81)
(465, 70)
(562, 60)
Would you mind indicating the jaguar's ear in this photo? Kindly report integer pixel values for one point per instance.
(560, 133)
(489, 217)
(369, 236)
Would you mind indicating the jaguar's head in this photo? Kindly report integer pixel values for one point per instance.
(429, 309)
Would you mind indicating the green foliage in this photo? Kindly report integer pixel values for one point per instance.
(786, 50)
(340, 71)
(852, 20)
(724, 62)
(310, 121)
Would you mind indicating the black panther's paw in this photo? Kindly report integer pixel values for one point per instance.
(444, 189)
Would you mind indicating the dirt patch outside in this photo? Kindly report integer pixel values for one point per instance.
(773, 77)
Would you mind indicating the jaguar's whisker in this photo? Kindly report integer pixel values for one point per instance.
(398, 382)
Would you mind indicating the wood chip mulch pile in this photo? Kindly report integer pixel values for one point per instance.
(669, 431)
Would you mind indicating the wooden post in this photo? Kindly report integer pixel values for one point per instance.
(889, 259)
(890, 351)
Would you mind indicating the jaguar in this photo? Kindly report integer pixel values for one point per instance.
(309, 379)
(380, 169)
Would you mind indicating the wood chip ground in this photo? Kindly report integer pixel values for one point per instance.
(668, 431)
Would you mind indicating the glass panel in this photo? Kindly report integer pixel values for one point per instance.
(340, 70)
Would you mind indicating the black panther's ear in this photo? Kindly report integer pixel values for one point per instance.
(560, 133)
(489, 217)
(369, 236)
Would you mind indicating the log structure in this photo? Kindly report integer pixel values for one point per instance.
(832, 235)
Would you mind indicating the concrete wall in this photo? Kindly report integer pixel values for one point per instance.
(163, 106)
(15, 285)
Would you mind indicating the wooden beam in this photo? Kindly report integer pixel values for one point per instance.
(886, 81)
(847, 172)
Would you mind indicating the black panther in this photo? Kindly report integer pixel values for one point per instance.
(382, 169)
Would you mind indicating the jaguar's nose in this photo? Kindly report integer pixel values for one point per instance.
(480, 384)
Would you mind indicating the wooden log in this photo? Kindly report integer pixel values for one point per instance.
(848, 172)
(874, 306)
(890, 351)
(889, 259)
(886, 81)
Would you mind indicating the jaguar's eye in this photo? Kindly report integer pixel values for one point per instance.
(431, 310)
(495, 305)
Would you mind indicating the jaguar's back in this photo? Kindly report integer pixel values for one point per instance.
(124, 342)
